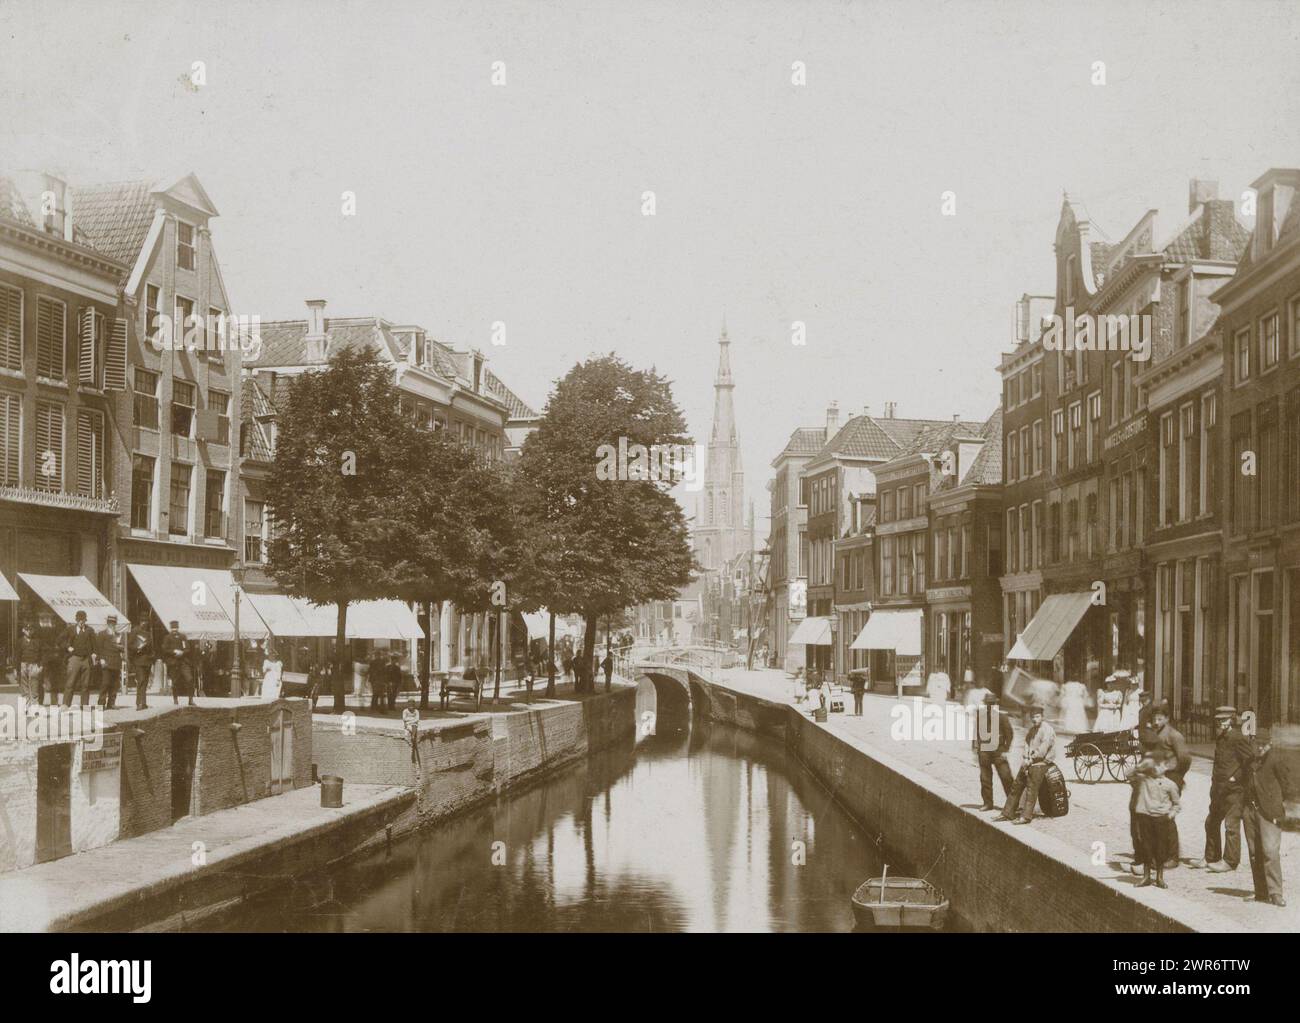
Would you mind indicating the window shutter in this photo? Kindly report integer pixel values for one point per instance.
(10, 435)
(49, 439)
(86, 346)
(50, 330)
(115, 360)
(90, 453)
(11, 328)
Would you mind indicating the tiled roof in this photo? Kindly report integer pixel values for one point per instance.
(12, 206)
(254, 406)
(284, 342)
(516, 405)
(1194, 241)
(986, 470)
(806, 440)
(116, 217)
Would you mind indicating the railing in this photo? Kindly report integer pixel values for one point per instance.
(60, 499)
(1196, 722)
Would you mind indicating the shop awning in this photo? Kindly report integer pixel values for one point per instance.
(7, 592)
(538, 624)
(200, 600)
(382, 619)
(814, 631)
(1051, 626)
(65, 595)
(899, 631)
(285, 616)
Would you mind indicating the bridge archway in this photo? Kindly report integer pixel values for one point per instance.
(671, 700)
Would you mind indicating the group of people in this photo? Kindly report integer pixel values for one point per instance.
(80, 662)
(384, 673)
(1247, 788)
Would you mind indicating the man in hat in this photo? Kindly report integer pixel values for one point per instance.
(1040, 742)
(1233, 753)
(140, 647)
(108, 662)
(1269, 776)
(175, 656)
(992, 743)
(79, 644)
(51, 660)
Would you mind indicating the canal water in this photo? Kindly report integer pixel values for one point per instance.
(704, 828)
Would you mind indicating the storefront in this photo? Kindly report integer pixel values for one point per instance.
(894, 640)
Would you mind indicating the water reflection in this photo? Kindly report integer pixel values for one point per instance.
(702, 829)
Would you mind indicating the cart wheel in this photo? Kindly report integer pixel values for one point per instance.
(1120, 765)
(1089, 764)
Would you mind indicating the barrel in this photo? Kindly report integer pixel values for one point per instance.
(331, 790)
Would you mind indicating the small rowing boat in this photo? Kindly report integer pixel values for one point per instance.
(899, 902)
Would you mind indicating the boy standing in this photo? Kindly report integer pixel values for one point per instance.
(1156, 804)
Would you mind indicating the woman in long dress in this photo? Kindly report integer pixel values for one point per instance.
(1109, 703)
(272, 670)
(1132, 707)
(1074, 712)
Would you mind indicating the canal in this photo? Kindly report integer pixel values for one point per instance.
(704, 828)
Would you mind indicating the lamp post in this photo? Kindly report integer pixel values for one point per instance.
(237, 572)
(834, 619)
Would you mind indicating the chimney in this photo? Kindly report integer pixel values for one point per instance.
(1022, 320)
(832, 418)
(1200, 191)
(956, 417)
(316, 349)
(866, 410)
(890, 406)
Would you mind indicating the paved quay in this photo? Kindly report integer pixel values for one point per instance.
(54, 895)
(1096, 827)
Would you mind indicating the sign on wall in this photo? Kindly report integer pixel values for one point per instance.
(798, 599)
(106, 757)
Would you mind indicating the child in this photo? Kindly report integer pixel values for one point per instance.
(1156, 805)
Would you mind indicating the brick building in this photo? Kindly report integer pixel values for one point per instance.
(1259, 322)
(62, 353)
(787, 545)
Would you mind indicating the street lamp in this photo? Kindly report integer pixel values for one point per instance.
(834, 619)
(237, 573)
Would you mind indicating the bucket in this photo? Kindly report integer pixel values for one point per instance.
(331, 791)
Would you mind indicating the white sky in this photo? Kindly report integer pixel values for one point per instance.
(522, 203)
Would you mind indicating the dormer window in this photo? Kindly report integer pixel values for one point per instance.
(184, 245)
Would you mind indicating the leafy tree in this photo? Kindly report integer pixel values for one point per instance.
(337, 491)
(614, 542)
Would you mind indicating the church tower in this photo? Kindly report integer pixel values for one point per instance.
(720, 532)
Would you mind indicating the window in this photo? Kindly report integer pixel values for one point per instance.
(1076, 433)
(1054, 531)
(1038, 446)
(216, 343)
(90, 453)
(1093, 525)
(1293, 348)
(153, 313)
(954, 554)
(1013, 535)
(1036, 379)
(1239, 445)
(918, 499)
(214, 504)
(904, 503)
(141, 491)
(1026, 538)
(219, 402)
(11, 328)
(940, 554)
(1013, 455)
(1268, 342)
(1058, 441)
(887, 566)
(1094, 426)
(1241, 355)
(49, 446)
(51, 335)
(11, 431)
(1209, 462)
(1036, 554)
(182, 408)
(887, 507)
(1116, 390)
(1026, 454)
(1168, 470)
(904, 551)
(184, 245)
(178, 509)
(145, 397)
(1189, 463)
(965, 549)
(184, 323)
(994, 546)
(1072, 528)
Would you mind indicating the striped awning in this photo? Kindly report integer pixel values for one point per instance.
(1051, 626)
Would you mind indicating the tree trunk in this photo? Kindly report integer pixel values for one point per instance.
(497, 642)
(550, 661)
(586, 683)
(340, 642)
(426, 662)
